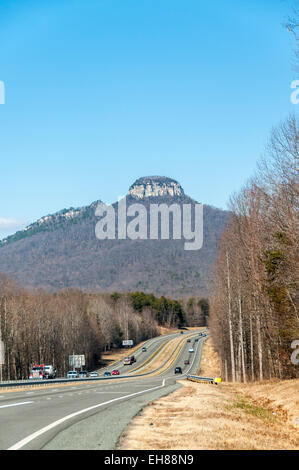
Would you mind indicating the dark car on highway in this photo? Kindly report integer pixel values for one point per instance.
(83, 374)
(178, 370)
(144, 349)
(107, 373)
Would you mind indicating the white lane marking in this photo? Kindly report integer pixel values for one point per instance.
(36, 434)
(17, 404)
(112, 393)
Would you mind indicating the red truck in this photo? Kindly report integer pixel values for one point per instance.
(42, 371)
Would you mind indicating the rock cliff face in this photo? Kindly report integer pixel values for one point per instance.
(155, 186)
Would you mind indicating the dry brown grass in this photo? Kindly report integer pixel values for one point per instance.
(164, 330)
(226, 416)
(279, 396)
(210, 365)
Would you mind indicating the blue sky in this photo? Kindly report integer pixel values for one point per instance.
(101, 92)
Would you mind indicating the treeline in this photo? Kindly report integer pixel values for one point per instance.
(43, 328)
(254, 306)
(46, 328)
(174, 313)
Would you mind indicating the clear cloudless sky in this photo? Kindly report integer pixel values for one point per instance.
(101, 92)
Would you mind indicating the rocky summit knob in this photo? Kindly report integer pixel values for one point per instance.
(155, 186)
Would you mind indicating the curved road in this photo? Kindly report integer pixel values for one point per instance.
(91, 414)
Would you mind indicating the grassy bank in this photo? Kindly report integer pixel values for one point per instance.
(226, 416)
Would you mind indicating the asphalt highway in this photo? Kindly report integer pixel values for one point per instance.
(91, 414)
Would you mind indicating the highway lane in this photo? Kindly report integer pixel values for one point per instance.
(38, 415)
(152, 345)
(88, 433)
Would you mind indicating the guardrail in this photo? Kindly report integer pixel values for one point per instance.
(210, 380)
(36, 382)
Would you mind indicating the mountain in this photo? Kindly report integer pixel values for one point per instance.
(62, 250)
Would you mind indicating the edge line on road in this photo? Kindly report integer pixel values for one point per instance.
(17, 404)
(43, 430)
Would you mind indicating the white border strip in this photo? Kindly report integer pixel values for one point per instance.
(17, 404)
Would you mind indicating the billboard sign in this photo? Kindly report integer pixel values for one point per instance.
(76, 361)
(2, 353)
(127, 342)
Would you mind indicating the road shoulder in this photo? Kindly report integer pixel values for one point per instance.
(101, 431)
(218, 417)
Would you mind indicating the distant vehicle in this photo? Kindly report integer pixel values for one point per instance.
(37, 371)
(186, 361)
(129, 360)
(49, 372)
(196, 339)
(107, 373)
(182, 332)
(144, 349)
(41, 371)
(83, 374)
(93, 374)
(178, 370)
(188, 340)
(191, 350)
(115, 372)
(72, 374)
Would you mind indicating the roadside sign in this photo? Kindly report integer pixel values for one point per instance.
(2, 353)
(127, 342)
(77, 360)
